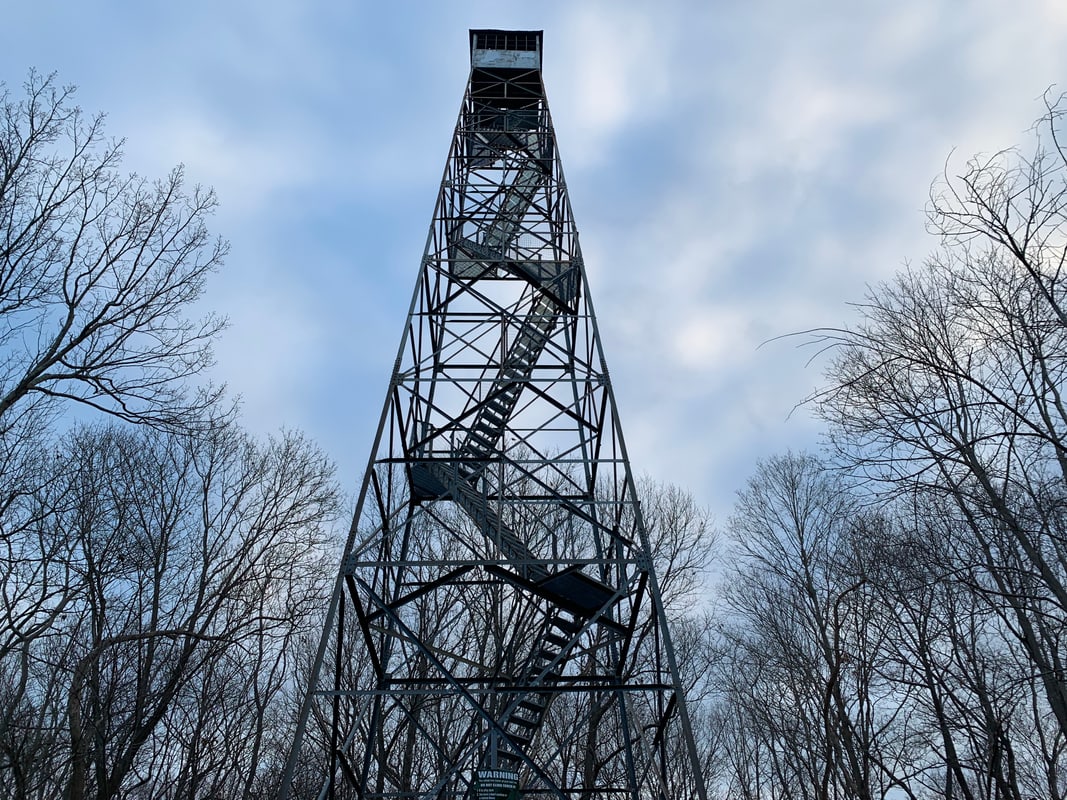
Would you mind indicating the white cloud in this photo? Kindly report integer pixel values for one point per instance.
(711, 339)
(612, 59)
(250, 169)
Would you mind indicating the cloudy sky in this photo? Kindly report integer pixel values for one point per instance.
(738, 170)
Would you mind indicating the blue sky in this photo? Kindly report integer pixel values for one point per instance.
(738, 171)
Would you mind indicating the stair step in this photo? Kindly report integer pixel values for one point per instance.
(556, 640)
(565, 625)
(534, 704)
(489, 422)
(480, 440)
(536, 330)
(552, 675)
(524, 723)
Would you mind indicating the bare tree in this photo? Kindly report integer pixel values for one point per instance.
(200, 562)
(155, 582)
(802, 645)
(962, 673)
(97, 269)
(952, 386)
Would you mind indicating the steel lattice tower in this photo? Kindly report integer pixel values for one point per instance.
(496, 629)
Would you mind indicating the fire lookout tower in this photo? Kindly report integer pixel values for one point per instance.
(496, 630)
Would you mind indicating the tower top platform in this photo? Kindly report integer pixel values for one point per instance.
(496, 49)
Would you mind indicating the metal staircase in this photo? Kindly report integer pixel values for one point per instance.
(545, 671)
(493, 413)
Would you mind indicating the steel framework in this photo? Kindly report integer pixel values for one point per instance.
(496, 629)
